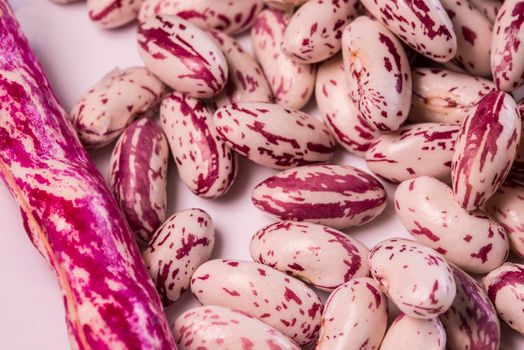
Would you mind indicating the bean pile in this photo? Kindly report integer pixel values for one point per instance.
(422, 90)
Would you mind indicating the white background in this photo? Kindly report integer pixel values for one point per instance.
(75, 54)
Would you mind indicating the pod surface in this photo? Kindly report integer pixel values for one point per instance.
(271, 296)
(274, 136)
(339, 196)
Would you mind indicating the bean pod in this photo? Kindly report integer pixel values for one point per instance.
(471, 322)
(355, 317)
(273, 297)
(313, 33)
(485, 149)
(109, 14)
(414, 150)
(505, 288)
(231, 17)
(507, 207)
(182, 56)
(246, 81)
(206, 165)
(408, 333)
(139, 176)
(274, 136)
(226, 329)
(428, 210)
(338, 110)
(507, 46)
(318, 255)
(339, 196)
(292, 83)
(184, 242)
(110, 105)
(416, 278)
(424, 25)
(377, 72)
(443, 96)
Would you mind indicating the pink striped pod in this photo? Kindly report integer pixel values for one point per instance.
(339, 112)
(205, 163)
(109, 14)
(473, 30)
(507, 46)
(246, 81)
(377, 72)
(408, 333)
(110, 105)
(139, 176)
(313, 33)
(505, 288)
(182, 56)
(443, 96)
(416, 278)
(231, 17)
(271, 296)
(424, 25)
(316, 254)
(428, 210)
(471, 322)
(292, 83)
(184, 242)
(485, 149)
(414, 150)
(489, 8)
(338, 196)
(355, 317)
(69, 213)
(507, 207)
(284, 5)
(274, 136)
(220, 328)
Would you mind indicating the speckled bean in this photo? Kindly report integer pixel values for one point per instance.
(292, 83)
(205, 164)
(507, 46)
(274, 136)
(284, 5)
(507, 207)
(246, 81)
(355, 317)
(139, 176)
(473, 30)
(110, 105)
(485, 149)
(318, 255)
(231, 17)
(414, 150)
(184, 242)
(313, 33)
(428, 210)
(505, 288)
(339, 112)
(471, 322)
(273, 297)
(377, 72)
(408, 333)
(424, 25)
(416, 278)
(219, 328)
(182, 56)
(109, 14)
(63, 2)
(443, 96)
(338, 196)
(489, 8)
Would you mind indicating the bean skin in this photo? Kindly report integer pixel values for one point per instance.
(408, 333)
(110, 14)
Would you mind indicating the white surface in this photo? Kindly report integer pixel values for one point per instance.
(75, 54)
